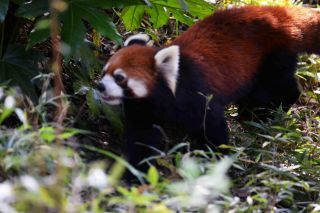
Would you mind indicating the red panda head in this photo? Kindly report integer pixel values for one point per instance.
(133, 71)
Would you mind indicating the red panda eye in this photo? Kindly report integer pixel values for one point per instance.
(119, 78)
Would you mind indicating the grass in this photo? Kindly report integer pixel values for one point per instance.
(272, 166)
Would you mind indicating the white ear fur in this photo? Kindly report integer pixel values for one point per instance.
(167, 62)
(141, 38)
(105, 67)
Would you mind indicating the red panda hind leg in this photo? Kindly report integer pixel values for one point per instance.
(214, 128)
(274, 86)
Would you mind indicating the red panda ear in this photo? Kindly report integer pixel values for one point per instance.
(167, 62)
(142, 39)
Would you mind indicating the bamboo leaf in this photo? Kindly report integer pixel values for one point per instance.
(100, 21)
(158, 16)
(132, 16)
(73, 30)
(18, 66)
(31, 9)
(110, 3)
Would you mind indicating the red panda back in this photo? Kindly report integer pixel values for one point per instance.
(231, 43)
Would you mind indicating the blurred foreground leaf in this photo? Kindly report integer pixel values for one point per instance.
(18, 66)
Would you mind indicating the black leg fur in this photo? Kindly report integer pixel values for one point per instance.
(140, 134)
(137, 146)
(274, 86)
(213, 131)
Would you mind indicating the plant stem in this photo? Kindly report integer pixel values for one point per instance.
(57, 62)
(61, 110)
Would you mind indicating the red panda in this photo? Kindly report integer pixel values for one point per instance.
(246, 56)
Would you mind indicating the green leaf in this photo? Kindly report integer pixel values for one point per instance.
(73, 30)
(40, 33)
(132, 16)
(200, 9)
(5, 114)
(19, 66)
(71, 132)
(170, 4)
(113, 116)
(47, 134)
(181, 16)
(153, 176)
(158, 16)
(93, 104)
(18, 2)
(100, 21)
(38, 36)
(33, 9)
(3, 9)
(183, 4)
(110, 3)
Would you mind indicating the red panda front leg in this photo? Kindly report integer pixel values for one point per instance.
(138, 145)
(141, 134)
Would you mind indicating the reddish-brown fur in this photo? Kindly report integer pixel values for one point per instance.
(231, 58)
(137, 61)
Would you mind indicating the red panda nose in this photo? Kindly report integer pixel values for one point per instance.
(101, 87)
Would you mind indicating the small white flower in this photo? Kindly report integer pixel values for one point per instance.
(65, 48)
(211, 208)
(4, 207)
(235, 201)
(249, 200)
(67, 161)
(21, 115)
(97, 178)
(189, 168)
(83, 90)
(30, 183)
(79, 183)
(1, 92)
(96, 95)
(9, 102)
(316, 208)
(6, 192)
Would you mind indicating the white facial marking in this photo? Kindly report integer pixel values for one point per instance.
(138, 87)
(120, 71)
(113, 92)
(105, 67)
(141, 36)
(167, 62)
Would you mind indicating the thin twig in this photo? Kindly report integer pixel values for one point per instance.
(57, 62)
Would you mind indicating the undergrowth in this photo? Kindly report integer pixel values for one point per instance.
(76, 165)
(272, 166)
